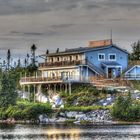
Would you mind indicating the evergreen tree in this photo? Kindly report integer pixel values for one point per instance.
(18, 63)
(33, 49)
(57, 51)
(47, 51)
(25, 62)
(8, 94)
(8, 58)
(28, 59)
(135, 55)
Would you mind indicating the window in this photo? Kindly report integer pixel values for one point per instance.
(112, 57)
(101, 56)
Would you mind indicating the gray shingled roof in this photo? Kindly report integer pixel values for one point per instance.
(84, 49)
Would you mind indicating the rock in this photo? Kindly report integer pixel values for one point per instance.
(62, 106)
(43, 118)
(62, 114)
(71, 114)
(59, 120)
(80, 117)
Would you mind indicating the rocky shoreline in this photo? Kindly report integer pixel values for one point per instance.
(97, 116)
(75, 117)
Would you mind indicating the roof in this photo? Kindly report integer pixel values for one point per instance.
(108, 63)
(84, 49)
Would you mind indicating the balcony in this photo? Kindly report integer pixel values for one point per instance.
(45, 80)
(30, 80)
(61, 64)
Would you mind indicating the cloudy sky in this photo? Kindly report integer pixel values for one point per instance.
(66, 23)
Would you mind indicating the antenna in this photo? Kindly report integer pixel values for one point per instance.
(111, 36)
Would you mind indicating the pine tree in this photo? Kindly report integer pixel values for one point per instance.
(135, 55)
(33, 49)
(8, 58)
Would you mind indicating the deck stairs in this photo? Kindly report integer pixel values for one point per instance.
(94, 68)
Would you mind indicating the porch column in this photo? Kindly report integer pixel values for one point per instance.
(49, 86)
(69, 88)
(107, 71)
(29, 92)
(39, 93)
(54, 87)
(135, 73)
(60, 87)
(66, 88)
(34, 93)
(87, 74)
(23, 90)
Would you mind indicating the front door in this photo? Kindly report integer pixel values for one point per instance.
(109, 72)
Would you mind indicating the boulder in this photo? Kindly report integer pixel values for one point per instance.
(71, 114)
(43, 118)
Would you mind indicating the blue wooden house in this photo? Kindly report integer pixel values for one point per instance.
(61, 69)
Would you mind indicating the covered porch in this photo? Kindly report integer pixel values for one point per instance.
(112, 69)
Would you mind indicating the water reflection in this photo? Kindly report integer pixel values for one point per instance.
(69, 132)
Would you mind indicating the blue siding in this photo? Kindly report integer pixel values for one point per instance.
(121, 57)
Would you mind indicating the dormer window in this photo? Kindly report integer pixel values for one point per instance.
(112, 57)
(101, 56)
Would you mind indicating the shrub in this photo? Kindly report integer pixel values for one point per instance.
(25, 110)
(125, 109)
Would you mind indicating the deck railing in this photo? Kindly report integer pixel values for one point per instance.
(39, 79)
(75, 78)
(132, 76)
(62, 63)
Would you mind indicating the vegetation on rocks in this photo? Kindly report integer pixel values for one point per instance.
(126, 109)
(83, 95)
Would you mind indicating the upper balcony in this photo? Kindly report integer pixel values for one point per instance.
(62, 64)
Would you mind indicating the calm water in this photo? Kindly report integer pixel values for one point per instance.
(69, 132)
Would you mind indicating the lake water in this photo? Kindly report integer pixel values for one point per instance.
(69, 132)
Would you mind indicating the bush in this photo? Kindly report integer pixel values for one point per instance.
(125, 109)
(25, 110)
(84, 108)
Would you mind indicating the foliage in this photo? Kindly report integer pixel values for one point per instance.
(135, 55)
(25, 110)
(83, 95)
(125, 109)
(136, 84)
(8, 94)
(84, 108)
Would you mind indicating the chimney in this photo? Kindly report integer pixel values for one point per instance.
(99, 43)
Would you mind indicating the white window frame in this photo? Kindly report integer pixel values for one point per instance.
(110, 55)
(101, 54)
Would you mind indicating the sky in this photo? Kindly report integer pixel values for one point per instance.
(52, 24)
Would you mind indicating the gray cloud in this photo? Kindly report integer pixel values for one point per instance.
(66, 23)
